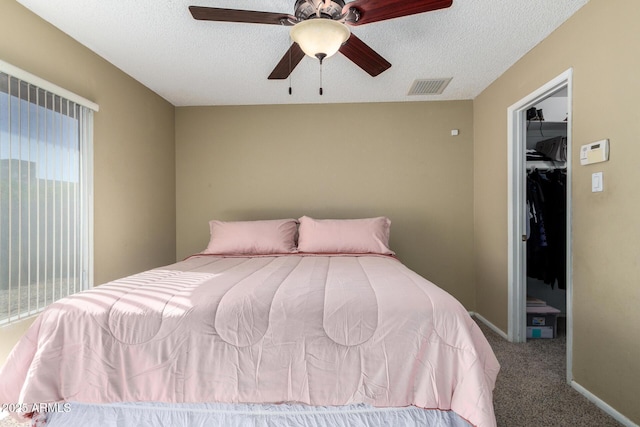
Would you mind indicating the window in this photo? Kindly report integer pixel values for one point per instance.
(45, 195)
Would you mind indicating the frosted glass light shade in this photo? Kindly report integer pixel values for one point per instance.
(319, 35)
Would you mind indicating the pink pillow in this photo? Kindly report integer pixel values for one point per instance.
(252, 237)
(367, 235)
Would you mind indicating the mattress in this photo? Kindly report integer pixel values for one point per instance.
(320, 331)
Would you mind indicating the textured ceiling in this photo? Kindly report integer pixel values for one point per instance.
(191, 62)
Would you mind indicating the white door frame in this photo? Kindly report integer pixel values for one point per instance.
(516, 119)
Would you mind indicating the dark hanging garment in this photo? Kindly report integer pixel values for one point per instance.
(557, 205)
(546, 249)
(537, 256)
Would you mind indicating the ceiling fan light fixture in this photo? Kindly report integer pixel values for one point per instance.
(320, 36)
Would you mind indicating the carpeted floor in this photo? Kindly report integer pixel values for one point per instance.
(531, 390)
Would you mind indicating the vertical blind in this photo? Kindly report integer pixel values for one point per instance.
(45, 197)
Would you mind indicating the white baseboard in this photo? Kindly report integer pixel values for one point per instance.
(491, 326)
(603, 405)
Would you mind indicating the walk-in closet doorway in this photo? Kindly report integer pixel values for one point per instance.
(526, 127)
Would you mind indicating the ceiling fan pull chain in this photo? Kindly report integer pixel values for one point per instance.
(290, 90)
(321, 78)
(320, 57)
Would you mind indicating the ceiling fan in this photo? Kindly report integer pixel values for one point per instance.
(319, 28)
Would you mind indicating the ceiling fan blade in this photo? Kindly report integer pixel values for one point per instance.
(234, 15)
(288, 62)
(363, 56)
(380, 10)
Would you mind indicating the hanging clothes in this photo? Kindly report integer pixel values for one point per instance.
(546, 246)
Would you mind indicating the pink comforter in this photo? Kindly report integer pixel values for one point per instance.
(315, 330)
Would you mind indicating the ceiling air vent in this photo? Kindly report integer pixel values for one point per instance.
(429, 86)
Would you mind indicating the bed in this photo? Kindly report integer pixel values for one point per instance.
(308, 334)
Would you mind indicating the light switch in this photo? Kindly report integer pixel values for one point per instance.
(596, 182)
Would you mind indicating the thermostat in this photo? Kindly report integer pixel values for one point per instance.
(595, 152)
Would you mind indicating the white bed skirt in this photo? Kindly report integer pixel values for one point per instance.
(248, 415)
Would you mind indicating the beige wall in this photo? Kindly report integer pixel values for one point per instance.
(602, 44)
(134, 153)
(343, 161)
